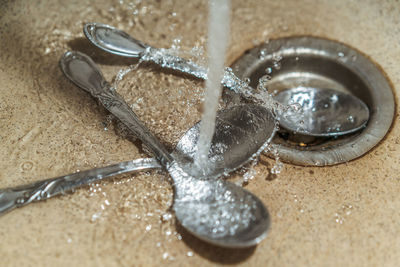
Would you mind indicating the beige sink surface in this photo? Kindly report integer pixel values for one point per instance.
(346, 215)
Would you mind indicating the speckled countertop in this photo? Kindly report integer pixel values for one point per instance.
(345, 215)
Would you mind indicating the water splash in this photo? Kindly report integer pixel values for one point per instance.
(278, 166)
(221, 210)
(123, 72)
(343, 213)
(166, 58)
(217, 42)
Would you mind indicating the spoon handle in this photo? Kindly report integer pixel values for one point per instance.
(15, 197)
(120, 43)
(81, 70)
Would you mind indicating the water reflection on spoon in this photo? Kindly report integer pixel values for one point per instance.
(321, 112)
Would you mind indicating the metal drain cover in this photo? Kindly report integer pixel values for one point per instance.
(321, 63)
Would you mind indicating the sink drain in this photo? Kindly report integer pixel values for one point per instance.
(320, 63)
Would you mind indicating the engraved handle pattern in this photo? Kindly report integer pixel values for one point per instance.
(81, 70)
(19, 196)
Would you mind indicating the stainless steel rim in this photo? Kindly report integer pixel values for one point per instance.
(321, 62)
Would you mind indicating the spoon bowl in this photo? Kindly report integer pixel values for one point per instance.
(240, 136)
(221, 212)
(113, 41)
(321, 112)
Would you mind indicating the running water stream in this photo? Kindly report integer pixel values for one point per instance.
(218, 37)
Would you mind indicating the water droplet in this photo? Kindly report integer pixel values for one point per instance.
(44, 194)
(249, 175)
(295, 107)
(277, 168)
(340, 54)
(176, 44)
(277, 57)
(262, 54)
(277, 65)
(96, 216)
(266, 78)
(334, 98)
(263, 82)
(27, 166)
(165, 255)
(20, 200)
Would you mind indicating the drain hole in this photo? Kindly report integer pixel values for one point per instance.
(319, 63)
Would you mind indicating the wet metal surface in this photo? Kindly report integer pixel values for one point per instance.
(340, 215)
(311, 62)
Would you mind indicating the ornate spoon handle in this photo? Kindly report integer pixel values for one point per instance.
(15, 197)
(81, 70)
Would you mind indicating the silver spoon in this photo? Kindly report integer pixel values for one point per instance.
(311, 123)
(19, 196)
(214, 210)
(321, 112)
(120, 43)
(15, 197)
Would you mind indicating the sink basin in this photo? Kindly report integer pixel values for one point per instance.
(338, 215)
